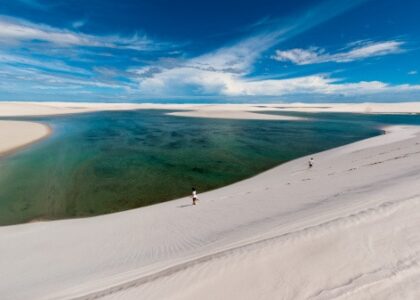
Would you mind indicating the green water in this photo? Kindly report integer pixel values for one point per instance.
(111, 161)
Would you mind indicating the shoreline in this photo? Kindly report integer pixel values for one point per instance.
(26, 135)
(349, 215)
(215, 111)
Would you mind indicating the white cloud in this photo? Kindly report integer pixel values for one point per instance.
(413, 72)
(216, 72)
(371, 49)
(318, 55)
(298, 56)
(225, 72)
(204, 82)
(14, 31)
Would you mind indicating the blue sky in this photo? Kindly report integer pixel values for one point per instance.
(210, 51)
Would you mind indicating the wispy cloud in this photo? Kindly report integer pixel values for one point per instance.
(52, 65)
(361, 50)
(16, 78)
(39, 58)
(13, 31)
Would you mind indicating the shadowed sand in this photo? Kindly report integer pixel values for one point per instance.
(348, 227)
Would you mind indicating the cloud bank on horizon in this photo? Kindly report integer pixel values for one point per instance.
(238, 51)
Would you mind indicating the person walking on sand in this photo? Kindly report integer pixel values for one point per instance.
(311, 162)
(194, 195)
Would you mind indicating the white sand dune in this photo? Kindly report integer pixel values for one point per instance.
(377, 108)
(238, 114)
(348, 228)
(226, 111)
(16, 134)
(253, 111)
(222, 111)
(11, 109)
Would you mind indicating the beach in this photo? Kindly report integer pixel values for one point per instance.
(17, 134)
(345, 228)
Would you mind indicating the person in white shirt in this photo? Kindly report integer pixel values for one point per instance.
(194, 195)
(311, 162)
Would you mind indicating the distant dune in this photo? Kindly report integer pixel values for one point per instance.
(204, 110)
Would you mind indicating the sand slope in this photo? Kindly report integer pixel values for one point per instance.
(346, 228)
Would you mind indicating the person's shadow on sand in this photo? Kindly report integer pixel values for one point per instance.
(184, 205)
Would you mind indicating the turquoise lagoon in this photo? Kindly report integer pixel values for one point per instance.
(106, 162)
